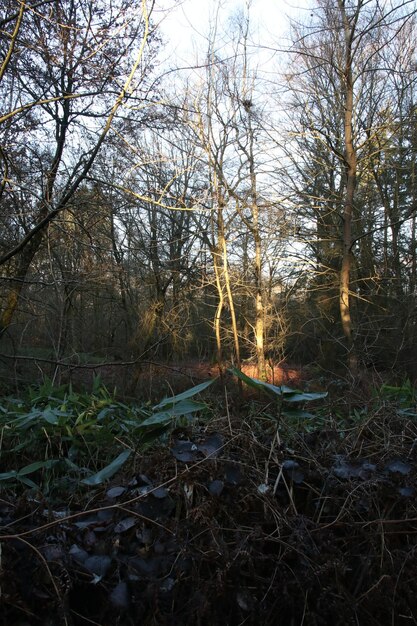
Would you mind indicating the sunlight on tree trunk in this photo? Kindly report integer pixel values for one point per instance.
(219, 310)
(350, 156)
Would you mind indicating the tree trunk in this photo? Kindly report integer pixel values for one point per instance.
(351, 166)
(219, 309)
(16, 285)
(259, 288)
(259, 313)
(226, 275)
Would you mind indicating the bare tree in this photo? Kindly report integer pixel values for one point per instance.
(338, 66)
(65, 94)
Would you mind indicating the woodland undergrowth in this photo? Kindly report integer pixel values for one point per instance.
(278, 506)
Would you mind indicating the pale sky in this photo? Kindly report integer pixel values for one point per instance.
(186, 24)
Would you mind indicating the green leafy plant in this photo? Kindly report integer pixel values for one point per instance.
(55, 433)
(286, 397)
(178, 406)
(108, 471)
(403, 396)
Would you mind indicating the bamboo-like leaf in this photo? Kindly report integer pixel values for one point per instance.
(25, 420)
(28, 469)
(260, 385)
(300, 396)
(51, 415)
(185, 407)
(185, 395)
(34, 467)
(297, 413)
(286, 393)
(108, 471)
(29, 483)
(8, 475)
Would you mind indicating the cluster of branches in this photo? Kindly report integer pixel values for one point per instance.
(223, 213)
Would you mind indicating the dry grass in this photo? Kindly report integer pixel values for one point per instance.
(296, 526)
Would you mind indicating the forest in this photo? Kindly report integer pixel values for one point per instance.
(208, 314)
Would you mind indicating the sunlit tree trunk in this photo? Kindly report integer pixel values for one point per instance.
(259, 297)
(215, 149)
(230, 299)
(351, 167)
(223, 284)
(219, 308)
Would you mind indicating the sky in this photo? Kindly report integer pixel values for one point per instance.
(186, 25)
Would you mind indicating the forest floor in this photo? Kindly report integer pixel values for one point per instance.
(240, 517)
(152, 380)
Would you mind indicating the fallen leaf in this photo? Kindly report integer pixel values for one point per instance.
(185, 451)
(211, 445)
(119, 597)
(398, 467)
(98, 565)
(125, 524)
(216, 487)
(115, 492)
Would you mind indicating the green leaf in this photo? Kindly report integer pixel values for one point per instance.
(25, 420)
(28, 482)
(150, 435)
(97, 384)
(108, 410)
(34, 467)
(286, 393)
(108, 471)
(185, 395)
(71, 465)
(297, 413)
(184, 407)
(260, 385)
(20, 446)
(251, 382)
(300, 396)
(8, 475)
(28, 469)
(51, 416)
(158, 419)
(35, 415)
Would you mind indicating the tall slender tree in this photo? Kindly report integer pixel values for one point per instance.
(337, 70)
